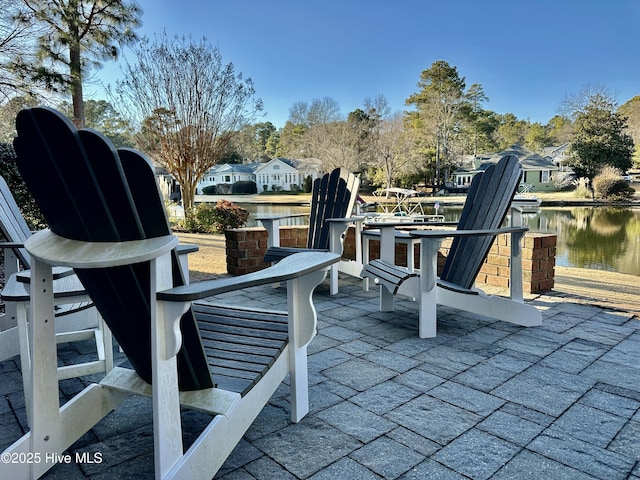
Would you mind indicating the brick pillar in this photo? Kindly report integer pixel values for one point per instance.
(539, 261)
(245, 247)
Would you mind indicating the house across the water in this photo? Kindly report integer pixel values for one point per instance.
(277, 174)
(539, 172)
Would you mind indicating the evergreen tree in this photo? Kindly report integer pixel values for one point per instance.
(600, 138)
(440, 102)
(79, 34)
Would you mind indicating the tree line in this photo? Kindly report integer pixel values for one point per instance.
(182, 105)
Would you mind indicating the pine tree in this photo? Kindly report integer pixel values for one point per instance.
(79, 35)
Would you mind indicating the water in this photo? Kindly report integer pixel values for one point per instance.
(600, 238)
(265, 210)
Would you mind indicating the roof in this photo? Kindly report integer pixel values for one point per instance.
(231, 168)
(555, 151)
(528, 159)
(302, 165)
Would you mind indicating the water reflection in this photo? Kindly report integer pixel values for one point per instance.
(600, 238)
(264, 210)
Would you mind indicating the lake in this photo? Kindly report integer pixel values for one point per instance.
(600, 238)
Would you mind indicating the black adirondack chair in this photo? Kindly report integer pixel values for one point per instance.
(488, 201)
(107, 221)
(333, 198)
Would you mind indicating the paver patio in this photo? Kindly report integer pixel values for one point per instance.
(482, 400)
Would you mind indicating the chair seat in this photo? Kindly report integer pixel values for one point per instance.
(389, 274)
(241, 344)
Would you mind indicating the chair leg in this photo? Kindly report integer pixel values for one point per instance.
(24, 338)
(167, 430)
(107, 344)
(300, 307)
(44, 406)
(428, 296)
(386, 299)
(365, 260)
(428, 315)
(333, 286)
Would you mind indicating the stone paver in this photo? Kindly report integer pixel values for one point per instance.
(482, 400)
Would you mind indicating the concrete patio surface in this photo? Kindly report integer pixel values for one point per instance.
(482, 400)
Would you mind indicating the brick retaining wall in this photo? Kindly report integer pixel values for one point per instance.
(245, 248)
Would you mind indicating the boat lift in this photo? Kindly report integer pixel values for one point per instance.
(397, 206)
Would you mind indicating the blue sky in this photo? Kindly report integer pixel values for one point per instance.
(527, 55)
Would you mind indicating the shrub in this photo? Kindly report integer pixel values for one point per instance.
(207, 218)
(228, 215)
(582, 188)
(244, 186)
(307, 185)
(25, 201)
(209, 190)
(609, 184)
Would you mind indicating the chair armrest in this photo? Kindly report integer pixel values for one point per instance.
(289, 268)
(187, 248)
(24, 276)
(408, 225)
(65, 286)
(4, 245)
(346, 220)
(387, 233)
(466, 233)
(52, 249)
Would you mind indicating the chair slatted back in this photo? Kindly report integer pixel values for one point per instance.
(488, 201)
(12, 223)
(333, 196)
(88, 191)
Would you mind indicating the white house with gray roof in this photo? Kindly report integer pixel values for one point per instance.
(274, 175)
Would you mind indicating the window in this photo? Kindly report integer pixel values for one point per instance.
(276, 167)
(463, 180)
(227, 178)
(545, 176)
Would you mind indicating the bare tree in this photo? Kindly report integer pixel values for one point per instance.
(392, 147)
(575, 104)
(323, 133)
(334, 143)
(377, 107)
(189, 103)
